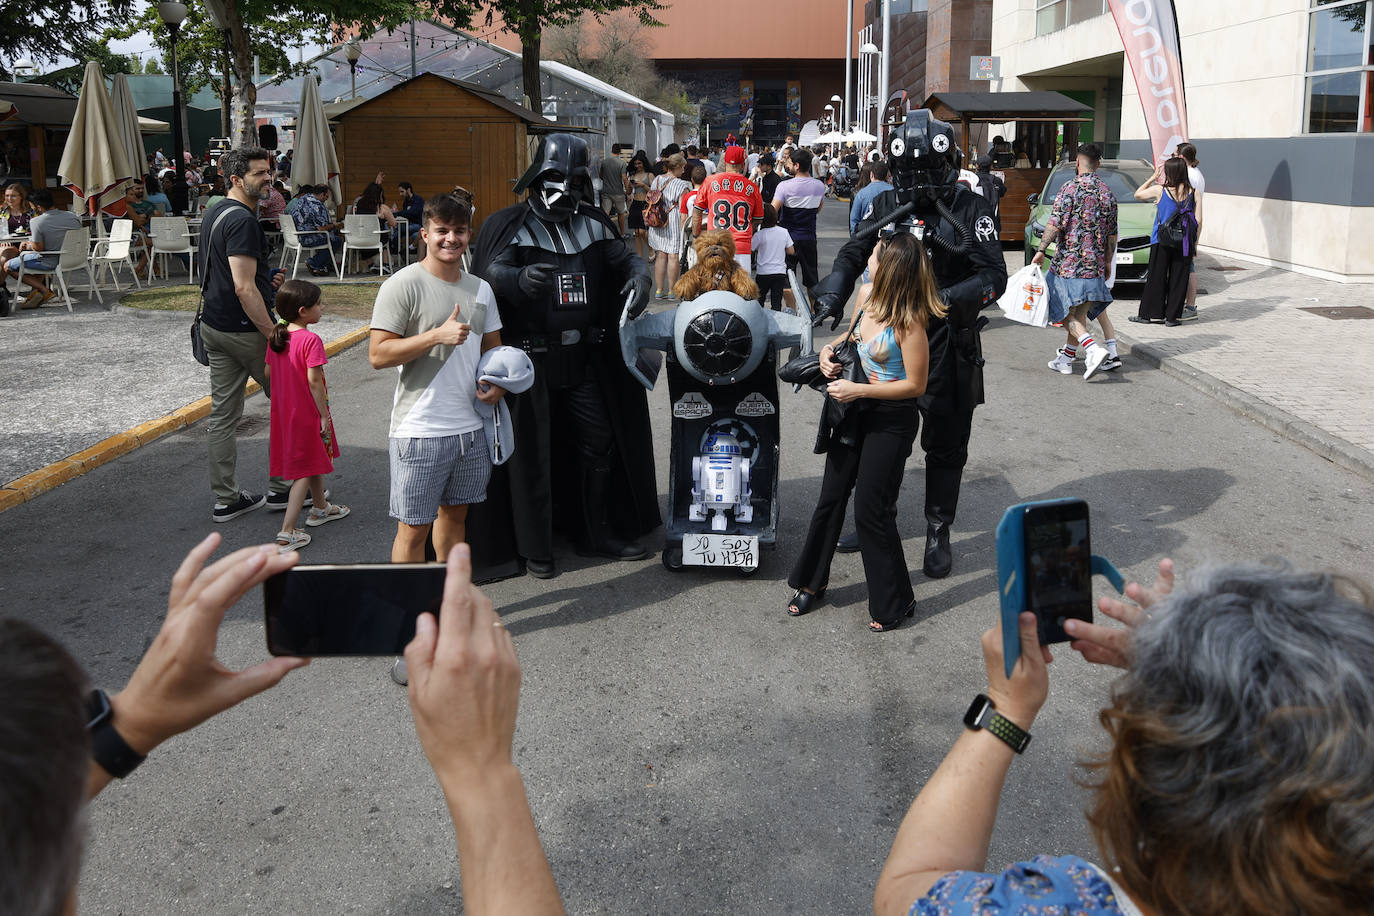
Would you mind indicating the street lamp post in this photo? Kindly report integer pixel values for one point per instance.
(869, 49)
(173, 15)
(353, 51)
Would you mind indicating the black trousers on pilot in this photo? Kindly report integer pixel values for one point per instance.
(944, 439)
(1166, 284)
(873, 470)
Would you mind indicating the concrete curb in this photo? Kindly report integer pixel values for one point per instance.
(22, 489)
(1333, 449)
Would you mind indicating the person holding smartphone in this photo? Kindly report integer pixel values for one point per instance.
(867, 452)
(1237, 779)
(65, 743)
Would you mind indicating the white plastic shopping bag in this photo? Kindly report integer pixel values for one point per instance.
(1027, 301)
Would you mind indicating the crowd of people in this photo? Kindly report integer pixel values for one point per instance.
(1251, 795)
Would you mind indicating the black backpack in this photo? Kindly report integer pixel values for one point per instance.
(1175, 229)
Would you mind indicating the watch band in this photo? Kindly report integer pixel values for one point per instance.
(983, 715)
(108, 747)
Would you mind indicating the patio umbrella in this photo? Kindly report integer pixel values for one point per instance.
(315, 161)
(94, 162)
(833, 136)
(126, 117)
(858, 136)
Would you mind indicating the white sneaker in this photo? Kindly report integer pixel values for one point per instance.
(1093, 360)
(1061, 364)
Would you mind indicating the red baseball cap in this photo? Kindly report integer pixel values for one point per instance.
(734, 155)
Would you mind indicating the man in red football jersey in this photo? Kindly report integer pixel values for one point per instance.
(729, 200)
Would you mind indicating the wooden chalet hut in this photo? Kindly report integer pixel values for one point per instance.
(437, 132)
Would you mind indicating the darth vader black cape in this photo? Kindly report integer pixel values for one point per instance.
(494, 533)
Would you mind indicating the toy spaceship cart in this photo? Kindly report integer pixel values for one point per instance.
(722, 355)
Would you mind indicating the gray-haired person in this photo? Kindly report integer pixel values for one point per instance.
(1237, 780)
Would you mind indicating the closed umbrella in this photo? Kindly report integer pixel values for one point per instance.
(315, 161)
(126, 117)
(94, 162)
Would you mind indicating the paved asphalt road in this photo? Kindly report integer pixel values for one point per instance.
(687, 747)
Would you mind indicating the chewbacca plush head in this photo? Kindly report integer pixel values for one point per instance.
(716, 268)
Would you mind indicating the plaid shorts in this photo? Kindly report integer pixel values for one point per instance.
(429, 473)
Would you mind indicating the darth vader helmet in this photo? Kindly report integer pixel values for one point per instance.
(558, 178)
(921, 152)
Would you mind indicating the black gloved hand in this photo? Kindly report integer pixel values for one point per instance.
(827, 305)
(537, 279)
(639, 285)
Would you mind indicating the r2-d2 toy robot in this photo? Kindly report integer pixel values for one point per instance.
(721, 484)
(721, 354)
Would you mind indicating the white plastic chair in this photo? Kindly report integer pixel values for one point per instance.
(115, 251)
(291, 238)
(171, 235)
(75, 255)
(362, 232)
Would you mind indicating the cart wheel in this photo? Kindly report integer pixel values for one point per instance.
(746, 571)
(672, 559)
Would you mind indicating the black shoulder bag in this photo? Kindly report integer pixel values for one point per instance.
(197, 344)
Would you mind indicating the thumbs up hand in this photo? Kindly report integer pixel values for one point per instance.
(453, 331)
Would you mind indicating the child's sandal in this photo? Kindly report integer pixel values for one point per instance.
(330, 513)
(295, 540)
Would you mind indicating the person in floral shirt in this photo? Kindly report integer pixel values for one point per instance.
(1084, 221)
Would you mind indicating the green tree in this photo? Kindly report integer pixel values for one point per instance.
(527, 19)
(152, 65)
(53, 29)
(69, 79)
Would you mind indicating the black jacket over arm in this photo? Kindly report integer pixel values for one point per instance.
(967, 282)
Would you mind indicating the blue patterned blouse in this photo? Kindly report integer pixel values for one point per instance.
(1044, 886)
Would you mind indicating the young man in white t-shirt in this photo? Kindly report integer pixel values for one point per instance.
(434, 322)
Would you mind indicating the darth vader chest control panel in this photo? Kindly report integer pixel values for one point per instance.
(572, 291)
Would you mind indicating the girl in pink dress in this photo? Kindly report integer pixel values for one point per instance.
(302, 443)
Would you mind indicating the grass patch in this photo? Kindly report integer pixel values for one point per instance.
(344, 300)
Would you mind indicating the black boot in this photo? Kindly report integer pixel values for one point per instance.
(598, 540)
(848, 543)
(939, 559)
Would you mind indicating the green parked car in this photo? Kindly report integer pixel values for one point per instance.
(1133, 218)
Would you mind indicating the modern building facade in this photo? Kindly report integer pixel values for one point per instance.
(1279, 96)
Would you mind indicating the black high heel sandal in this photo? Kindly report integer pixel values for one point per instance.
(802, 601)
(876, 627)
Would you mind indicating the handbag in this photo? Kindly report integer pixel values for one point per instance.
(1175, 229)
(198, 350)
(655, 209)
(197, 344)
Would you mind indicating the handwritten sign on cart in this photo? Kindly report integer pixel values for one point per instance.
(720, 550)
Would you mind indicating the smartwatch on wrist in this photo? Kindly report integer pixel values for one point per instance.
(108, 747)
(983, 715)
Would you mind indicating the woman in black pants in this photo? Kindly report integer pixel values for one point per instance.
(1166, 285)
(867, 452)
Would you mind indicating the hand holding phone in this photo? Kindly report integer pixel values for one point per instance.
(357, 609)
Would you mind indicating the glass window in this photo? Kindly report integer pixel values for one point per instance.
(1333, 102)
(1049, 16)
(1079, 10)
(1337, 38)
(1340, 66)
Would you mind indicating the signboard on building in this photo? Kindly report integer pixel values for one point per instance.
(984, 68)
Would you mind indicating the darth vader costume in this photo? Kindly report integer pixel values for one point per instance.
(958, 229)
(583, 459)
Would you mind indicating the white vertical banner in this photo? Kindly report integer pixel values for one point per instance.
(1149, 32)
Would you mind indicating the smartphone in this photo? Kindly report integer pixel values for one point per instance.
(1057, 565)
(349, 609)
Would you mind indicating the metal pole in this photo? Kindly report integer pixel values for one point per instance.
(178, 196)
(848, 62)
(414, 71)
(886, 64)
